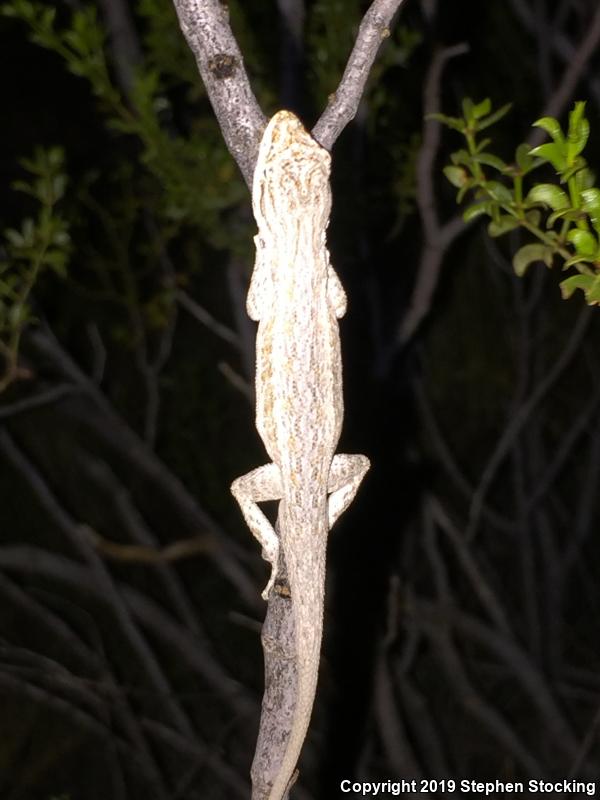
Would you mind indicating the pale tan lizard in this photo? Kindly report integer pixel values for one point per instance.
(296, 297)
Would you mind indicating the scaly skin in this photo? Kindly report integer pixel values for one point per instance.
(296, 297)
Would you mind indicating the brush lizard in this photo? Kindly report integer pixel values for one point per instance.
(296, 297)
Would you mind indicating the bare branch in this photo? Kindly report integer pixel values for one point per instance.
(145, 554)
(123, 39)
(135, 526)
(581, 424)
(484, 591)
(80, 719)
(564, 48)
(61, 633)
(190, 648)
(237, 381)
(43, 398)
(201, 756)
(374, 29)
(431, 138)
(518, 419)
(391, 727)
(205, 318)
(572, 75)
(205, 25)
(292, 14)
(447, 459)
(100, 577)
(118, 434)
(522, 667)
(438, 238)
(437, 626)
(466, 692)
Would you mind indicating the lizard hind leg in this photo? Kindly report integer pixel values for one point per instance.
(259, 485)
(345, 476)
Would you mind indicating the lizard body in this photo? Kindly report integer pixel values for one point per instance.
(296, 297)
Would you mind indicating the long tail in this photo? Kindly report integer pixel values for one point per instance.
(306, 572)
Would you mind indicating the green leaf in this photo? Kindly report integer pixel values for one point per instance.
(482, 145)
(534, 217)
(462, 192)
(549, 195)
(501, 112)
(503, 224)
(18, 315)
(490, 160)
(59, 183)
(28, 230)
(576, 166)
(57, 261)
(476, 210)
(61, 238)
(591, 206)
(527, 254)
(457, 176)
(481, 109)
(462, 157)
(467, 109)
(455, 123)
(523, 158)
(552, 153)
(579, 131)
(584, 179)
(589, 284)
(576, 116)
(585, 242)
(499, 192)
(14, 237)
(571, 262)
(551, 126)
(570, 214)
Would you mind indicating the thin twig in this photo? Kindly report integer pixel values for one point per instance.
(200, 314)
(100, 578)
(143, 554)
(437, 238)
(119, 435)
(373, 30)
(43, 398)
(520, 417)
(563, 94)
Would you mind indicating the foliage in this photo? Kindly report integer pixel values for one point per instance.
(181, 165)
(563, 216)
(178, 188)
(40, 244)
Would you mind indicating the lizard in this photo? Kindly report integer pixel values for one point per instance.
(296, 297)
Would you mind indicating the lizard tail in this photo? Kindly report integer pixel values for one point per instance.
(308, 622)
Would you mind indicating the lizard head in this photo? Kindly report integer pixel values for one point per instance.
(292, 173)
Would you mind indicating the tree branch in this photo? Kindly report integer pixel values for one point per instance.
(519, 418)
(437, 238)
(205, 25)
(374, 28)
(119, 435)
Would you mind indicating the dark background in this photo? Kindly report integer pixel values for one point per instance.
(463, 602)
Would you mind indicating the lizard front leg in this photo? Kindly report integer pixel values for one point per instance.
(258, 486)
(345, 475)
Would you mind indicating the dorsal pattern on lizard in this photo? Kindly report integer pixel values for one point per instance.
(296, 297)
